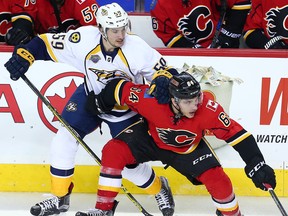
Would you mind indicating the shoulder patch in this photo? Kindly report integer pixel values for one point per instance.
(75, 37)
(212, 105)
(80, 1)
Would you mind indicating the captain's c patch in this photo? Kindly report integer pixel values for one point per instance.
(75, 37)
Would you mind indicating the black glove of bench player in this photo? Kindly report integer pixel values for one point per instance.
(260, 173)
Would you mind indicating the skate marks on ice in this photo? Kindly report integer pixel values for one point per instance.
(18, 204)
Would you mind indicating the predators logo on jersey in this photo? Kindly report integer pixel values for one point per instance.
(104, 76)
(75, 37)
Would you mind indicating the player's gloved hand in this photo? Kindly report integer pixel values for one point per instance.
(159, 87)
(19, 63)
(228, 39)
(260, 173)
(16, 36)
(276, 43)
(96, 105)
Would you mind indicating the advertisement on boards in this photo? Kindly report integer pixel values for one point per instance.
(259, 103)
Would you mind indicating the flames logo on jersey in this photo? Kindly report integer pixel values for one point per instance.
(277, 21)
(104, 76)
(197, 25)
(178, 138)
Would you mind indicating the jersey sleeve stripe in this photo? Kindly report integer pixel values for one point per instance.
(49, 49)
(239, 138)
(117, 91)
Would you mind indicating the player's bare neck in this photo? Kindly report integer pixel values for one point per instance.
(107, 46)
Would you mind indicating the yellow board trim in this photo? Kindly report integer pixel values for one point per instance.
(36, 178)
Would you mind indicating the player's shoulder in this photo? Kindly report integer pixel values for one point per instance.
(160, 5)
(135, 42)
(72, 4)
(83, 34)
(210, 105)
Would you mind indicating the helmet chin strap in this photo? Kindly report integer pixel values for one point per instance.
(104, 35)
(178, 114)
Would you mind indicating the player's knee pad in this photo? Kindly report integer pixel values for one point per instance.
(63, 150)
(117, 154)
(217, 182)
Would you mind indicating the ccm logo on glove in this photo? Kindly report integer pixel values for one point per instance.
(256, 168)
(26, 55)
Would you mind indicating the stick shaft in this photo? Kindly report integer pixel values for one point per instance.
(276, 200)
(80, 140)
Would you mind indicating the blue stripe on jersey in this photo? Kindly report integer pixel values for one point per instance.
(149, 182)
(59, 172)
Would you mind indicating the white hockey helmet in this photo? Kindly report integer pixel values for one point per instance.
(111, 16)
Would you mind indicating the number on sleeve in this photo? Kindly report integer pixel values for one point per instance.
(58, 41)
(160, 65)
(154, 24)
(89, 13)
(224, 118)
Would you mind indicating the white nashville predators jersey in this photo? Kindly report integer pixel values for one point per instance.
(82, 48)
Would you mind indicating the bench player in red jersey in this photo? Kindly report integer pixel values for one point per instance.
(17, 21)
(55, 16)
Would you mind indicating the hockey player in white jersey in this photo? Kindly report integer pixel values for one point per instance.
(102, 53)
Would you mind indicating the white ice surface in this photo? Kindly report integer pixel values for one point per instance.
(18, 204)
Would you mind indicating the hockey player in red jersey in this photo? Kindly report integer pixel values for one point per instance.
(266, 25)
(16, 21)
(55, 16)
(187, 23)
(176, 138)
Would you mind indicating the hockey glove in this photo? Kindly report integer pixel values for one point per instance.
(21, 33)
(96, 105)
(228, 39)
(275, 43)
(16, 36)
(159, 87)
(19, 63)
(260, 173)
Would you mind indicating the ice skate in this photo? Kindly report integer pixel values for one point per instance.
(53, 205)
(165, 198)
(218, 213)
(98, 212)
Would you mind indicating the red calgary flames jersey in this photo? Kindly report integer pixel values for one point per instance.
(11, 10)
(73, 13)
(269, 16)
(183, 136)
(197, 22)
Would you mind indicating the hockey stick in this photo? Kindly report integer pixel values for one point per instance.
(276, 200)
(80, 140)
(220, 22)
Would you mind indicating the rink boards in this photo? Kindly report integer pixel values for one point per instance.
(27, 126)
